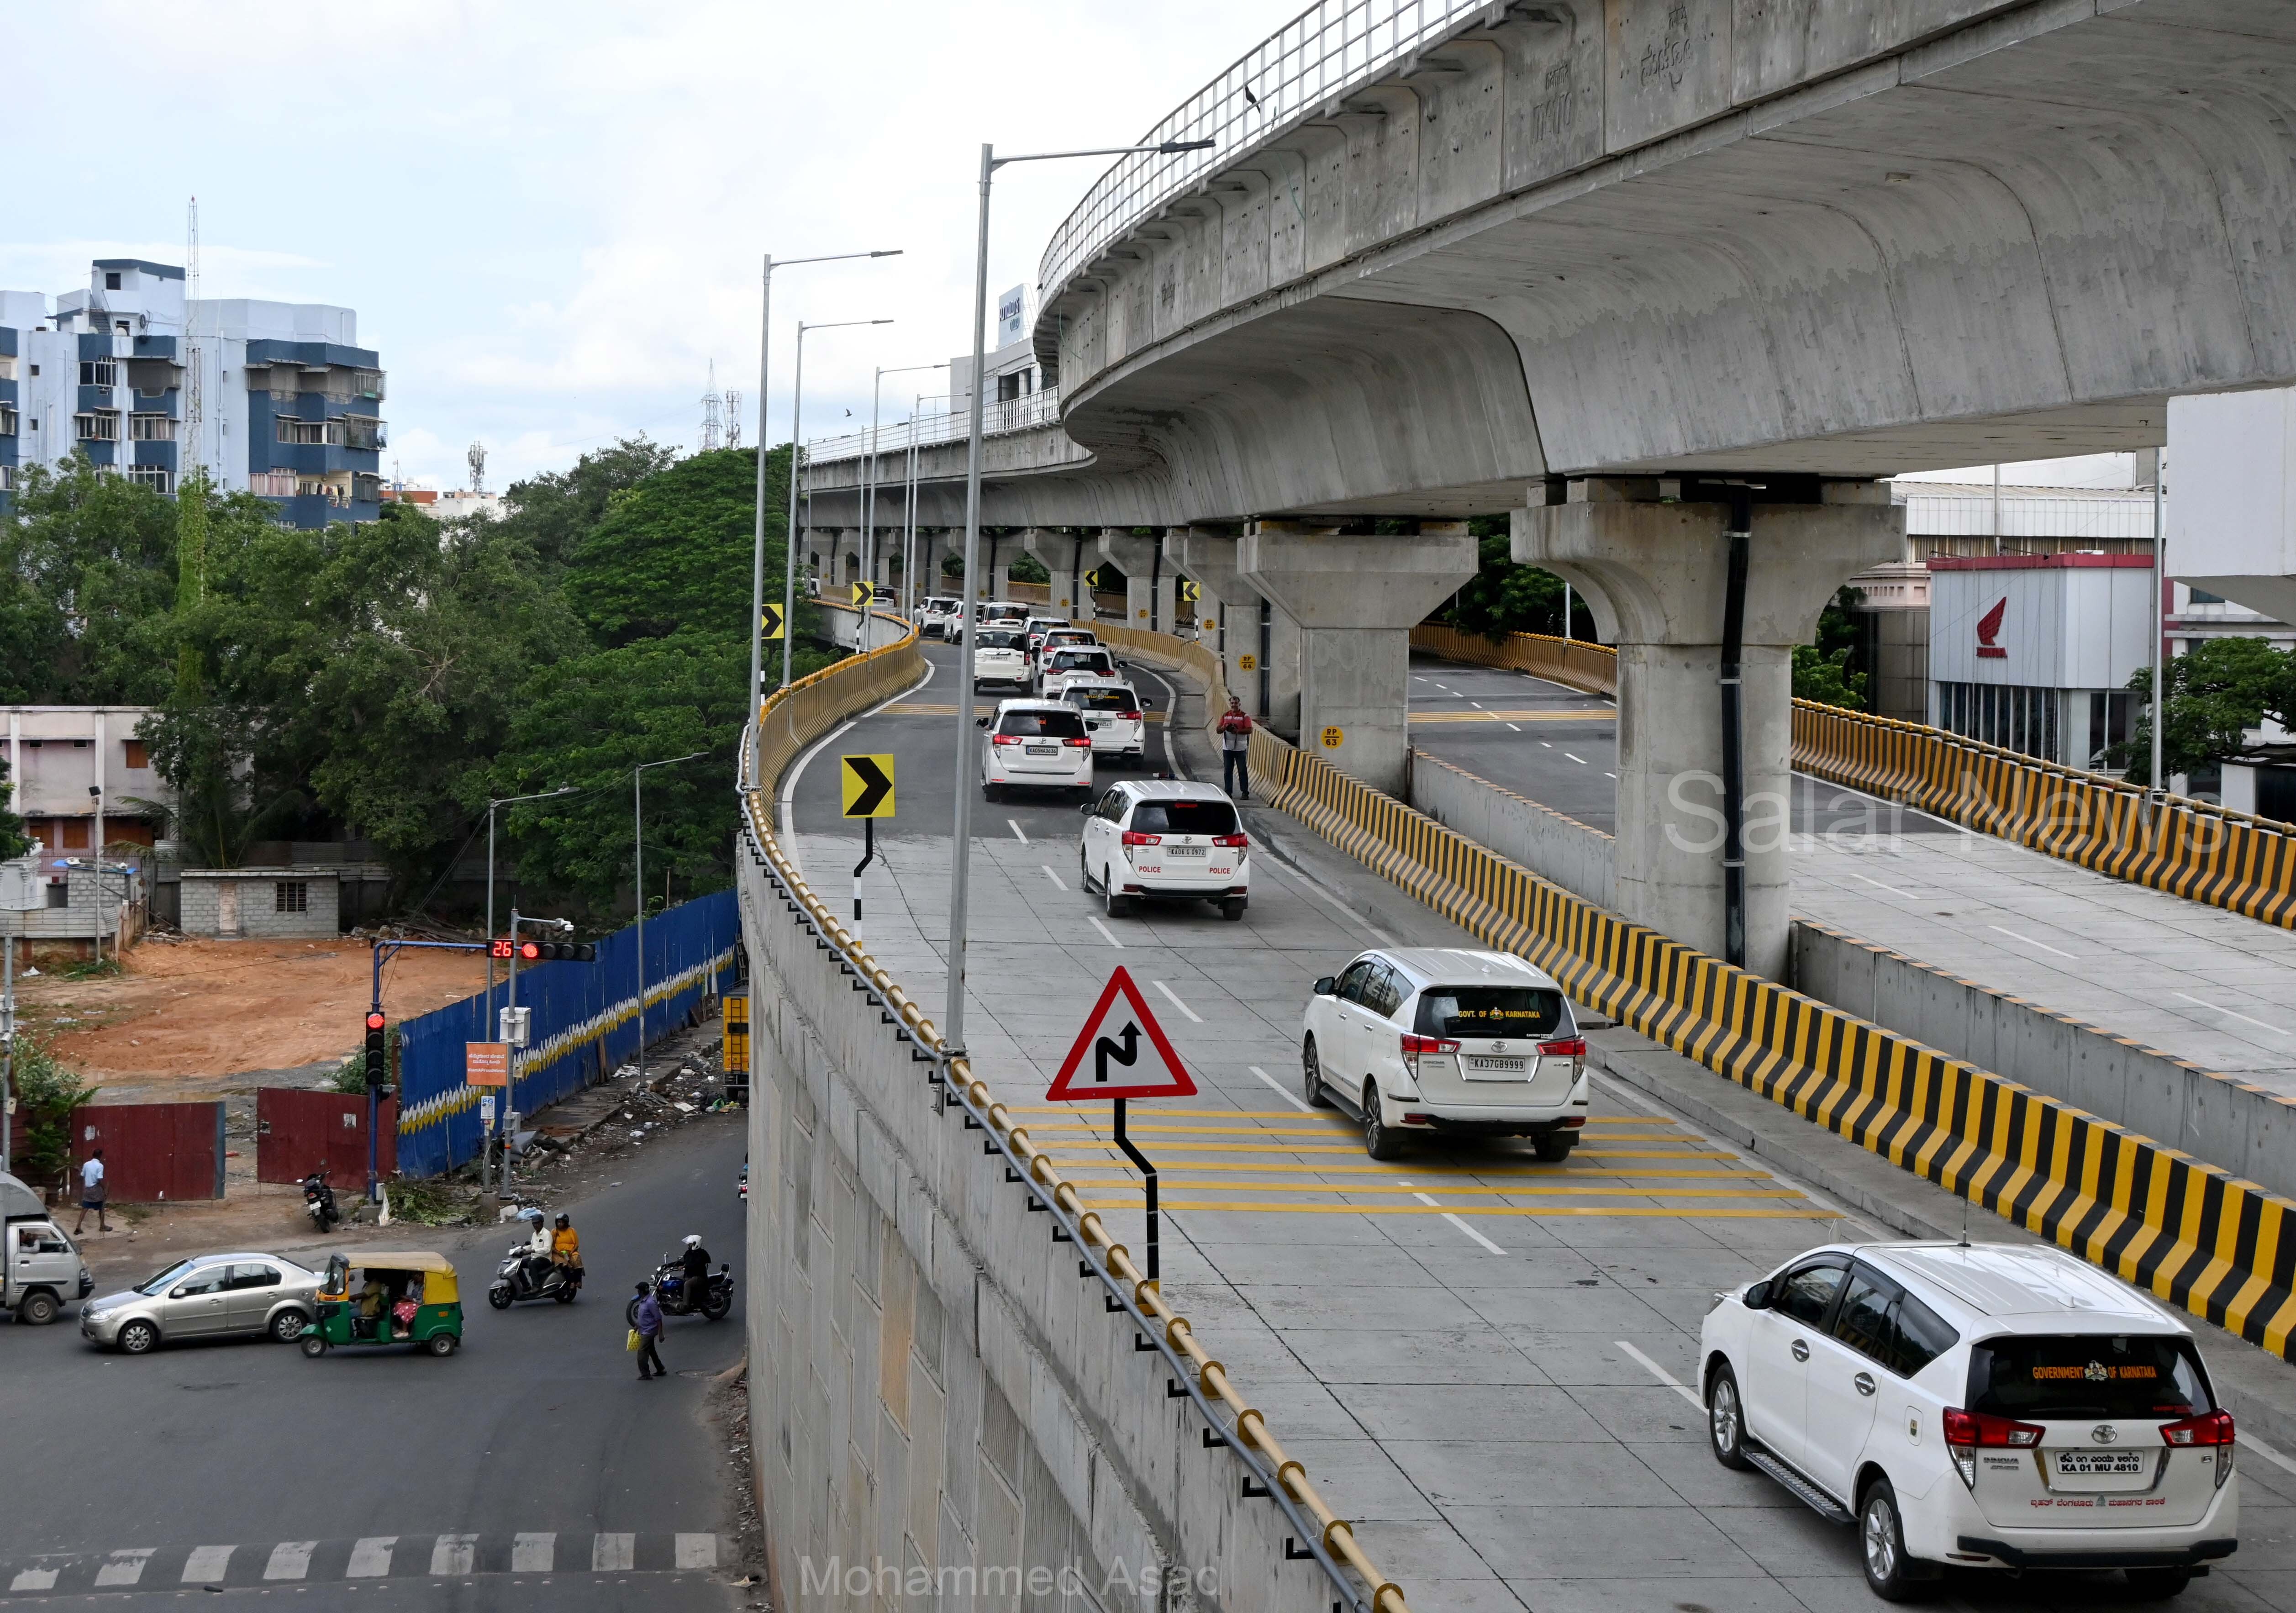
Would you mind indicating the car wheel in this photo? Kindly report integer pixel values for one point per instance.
(137, 1339)
(1311, 1074)
(1725, 1420)
(1881, 1544)
(443, 1344)
(1084, 871)
(288, 1326)
(2158, 1584)
(1119, 905)
(37, 1310)
(990, 793)
(1554, 1146)
(1380, 1141)
(313, 1346)
(1232, 908)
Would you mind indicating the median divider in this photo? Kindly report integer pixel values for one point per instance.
(792, 719)
(2187, 848)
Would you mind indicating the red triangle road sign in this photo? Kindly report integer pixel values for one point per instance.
(1106, 1060)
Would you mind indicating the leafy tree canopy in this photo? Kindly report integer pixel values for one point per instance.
(2216, 690)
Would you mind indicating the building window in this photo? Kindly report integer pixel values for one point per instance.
(2109, 711)
(7, 419)
(291, 895)
(72, 833)
(303, 431)
(8, 367)
(111, 280)
(139, 754)
(151, 428)
(2013, 717)
(155, 477)
(7, 479)
(362, 431)
(59, 895)
(102, 426)
(272, 484)
(119, 325)
(99, 372)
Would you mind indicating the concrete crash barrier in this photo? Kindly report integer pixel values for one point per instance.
(937, 1301)
(2189, 848)
(2221, 1247)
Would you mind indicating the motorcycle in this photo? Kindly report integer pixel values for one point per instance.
(319, 1201)
(525, 1275)
(715, 1300)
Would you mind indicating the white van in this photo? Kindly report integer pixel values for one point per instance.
(1987, 1406)
(40, 1270)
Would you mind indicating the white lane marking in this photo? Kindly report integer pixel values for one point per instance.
(1877, 884)
(2233, 1013)
(1456, 1221)
(371, 1557)
(1105, 933)
(2029, 941)
(454, 1555)
(1193, 1016)
(1283, 1091)
(1054, 877)
(1016, 831)
(1478, 705)
(2243, 1436)
(1328, 899)
(125, 1567)
(797, 771)
(697, 1550)
(207, 1563)
(1661, 1374)
(1610, 775)
(1580, 759)
(289, 1559)
(612, 1552)
(1515, 726)
(533, 1554)
(1546, 744)
(34, 1579)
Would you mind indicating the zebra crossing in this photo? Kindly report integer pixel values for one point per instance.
(368, 1556)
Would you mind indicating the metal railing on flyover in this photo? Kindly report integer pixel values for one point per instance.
(789, 721)
(2188, 848)
(1007, 415)
(1322, 53)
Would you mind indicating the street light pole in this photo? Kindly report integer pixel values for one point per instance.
(797, 454)
(757, 554)
(637, 804)
(96, 792)
(508, 800)
(967, 737)
(869, 490)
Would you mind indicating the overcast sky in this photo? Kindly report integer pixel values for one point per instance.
(549, 217)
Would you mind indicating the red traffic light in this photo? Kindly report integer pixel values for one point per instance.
(374, 1020)
(529, 950)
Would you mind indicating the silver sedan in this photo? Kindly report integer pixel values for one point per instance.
(206, 1297)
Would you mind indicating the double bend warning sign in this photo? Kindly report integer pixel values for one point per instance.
(1122, 1052)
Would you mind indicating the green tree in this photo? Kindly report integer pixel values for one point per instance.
(2216, 690)
(554, 512)
(46, 1094)
(1503, 597)
(1822, 671)
(1027, 567)
(90, 572)
(15, 841)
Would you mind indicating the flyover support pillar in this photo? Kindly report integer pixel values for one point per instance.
(1066, 557)
(1657, 577)
(1148, 578)
(1245, 653)
(1356, 600)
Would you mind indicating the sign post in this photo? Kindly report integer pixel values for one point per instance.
(1111, 1036)
(866, 784)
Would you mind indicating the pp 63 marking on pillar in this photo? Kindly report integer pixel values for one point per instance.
(1334, 738)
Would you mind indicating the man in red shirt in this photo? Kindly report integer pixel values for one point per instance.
(1235, 729)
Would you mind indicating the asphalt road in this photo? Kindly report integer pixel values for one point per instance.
(1559, 747)
(537, 1439)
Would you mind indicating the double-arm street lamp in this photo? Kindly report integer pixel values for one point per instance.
(869, 488)
(508, 800)
(797, 457)
(967, 737)
(757, 558)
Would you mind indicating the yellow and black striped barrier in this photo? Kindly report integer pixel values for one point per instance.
(2189, 848)
(2221, 1247)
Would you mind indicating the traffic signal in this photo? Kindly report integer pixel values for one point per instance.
(556, 952)
(378, 1051)
(498, 948)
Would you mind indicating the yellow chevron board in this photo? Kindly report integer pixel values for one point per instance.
(2190, 1232)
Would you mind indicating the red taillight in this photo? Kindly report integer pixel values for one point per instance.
(1984, 1428)
(1131, 717)
(1131, 837)
(1003, 739)
(1415, 1046)
(1575, 1048)
(2214, 1428)
(1232, 839)
(1081, 742)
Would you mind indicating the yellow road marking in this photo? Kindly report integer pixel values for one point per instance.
(1161, 1113)
(1342, 1148)
(1341, 1130)
(979, 709)
(1486, 1192)
(1541, 1172)
(1418, 718)
(1700, 1212)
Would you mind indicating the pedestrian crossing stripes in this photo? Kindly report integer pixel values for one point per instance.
(369, 1557)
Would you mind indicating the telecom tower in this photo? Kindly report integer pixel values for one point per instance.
(733, 418)
(477, 460)
(195, 424)
(712, 425)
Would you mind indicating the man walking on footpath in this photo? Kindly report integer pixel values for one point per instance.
(1235, 727)
(91, 1193)
(649, 1364)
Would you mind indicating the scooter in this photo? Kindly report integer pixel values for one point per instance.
(518, 1278)
(713, 1297)
(319, 1201)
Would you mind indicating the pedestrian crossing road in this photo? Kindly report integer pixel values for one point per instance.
(368, 1556)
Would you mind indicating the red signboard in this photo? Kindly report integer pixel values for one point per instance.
(152, 1152)
(298, 1130)
(486, 1063)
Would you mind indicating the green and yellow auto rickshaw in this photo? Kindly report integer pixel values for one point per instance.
(389, 1297)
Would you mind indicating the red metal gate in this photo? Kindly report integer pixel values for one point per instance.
(297, 1131)
(152, 1151)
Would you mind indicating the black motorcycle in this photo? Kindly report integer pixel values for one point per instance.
(524, 1274)
(319, 1201)
(712, 1296)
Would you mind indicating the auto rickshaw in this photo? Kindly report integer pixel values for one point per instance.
(402, 1296)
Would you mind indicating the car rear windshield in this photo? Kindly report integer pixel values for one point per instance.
(986, 638)
(2088, 1375)
(1183, 817)
(1489, 1011)
(1048, 724)
(1103, 699)
(1070, 660)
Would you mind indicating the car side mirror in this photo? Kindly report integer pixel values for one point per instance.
(1757, 1297)
(1088, 807)
(980, 722)
(1325, 986)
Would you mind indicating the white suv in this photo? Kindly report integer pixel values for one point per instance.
(1159, 838)
(1995, 1405)
(1445, 1041)
(1061, 664)
(1000, 655)
(939, 618)
(1112, 714)
(1036, 743)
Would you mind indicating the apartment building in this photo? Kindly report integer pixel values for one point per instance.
(274, 398)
